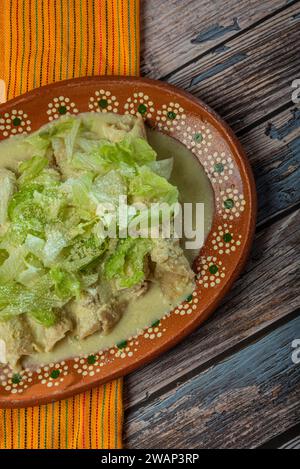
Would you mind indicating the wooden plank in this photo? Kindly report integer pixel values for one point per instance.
(273, 149)
(253, 75)
(240, 403)
(290, 439)
(293, 444)
(267, 292)
(176, 32)
(276, 163)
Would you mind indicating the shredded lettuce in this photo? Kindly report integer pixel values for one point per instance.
(109, 156)
(31, 169)
(7, 187)
(108, 188)
(83, 251)
(126, 264)
(39, 301)
(63, 134)
(67, 285)
(51, 247)
(150, 187)
(13, 265)
(3, 256)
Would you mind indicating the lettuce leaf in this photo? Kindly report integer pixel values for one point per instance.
(39, 301)
(126, 264)
(108, 188)
(13, 265)
(150, 187)
(83, 251)
(64, 131)
(22, 147)
(51, 247)
(109, 156)
(55, 242)
(32, 168)
(7, 187)
(3, 256)
(66, 284)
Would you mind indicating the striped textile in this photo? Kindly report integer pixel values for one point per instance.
(91, 420)
(43, 41)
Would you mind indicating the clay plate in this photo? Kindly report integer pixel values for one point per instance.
(220, 261)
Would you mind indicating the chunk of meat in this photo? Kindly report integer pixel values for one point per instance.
(45, 338)
(171, 268)
(91, 315)
(15, 340)
(135, 292)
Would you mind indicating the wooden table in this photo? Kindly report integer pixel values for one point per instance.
(233, 384)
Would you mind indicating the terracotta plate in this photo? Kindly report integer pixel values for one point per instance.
(220, 261)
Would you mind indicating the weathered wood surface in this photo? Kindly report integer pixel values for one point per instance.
(178, 31)
(273, 149)
(287, 440)
(208, 391)
(253, 76)
(267, 292)
(293, 444)
(234, 404)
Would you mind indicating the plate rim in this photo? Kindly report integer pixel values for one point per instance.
(248, 179)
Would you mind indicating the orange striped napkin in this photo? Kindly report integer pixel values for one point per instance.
(43, 41)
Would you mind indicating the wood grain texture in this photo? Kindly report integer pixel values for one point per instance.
(293, 444)
(253, 76)
(267, 292)
(287, 440)
(273, 149)
(238, 403)
(176, 32)
(214, 389)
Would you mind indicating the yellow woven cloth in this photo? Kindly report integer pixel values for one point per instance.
(43, 41)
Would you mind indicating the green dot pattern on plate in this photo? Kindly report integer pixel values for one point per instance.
(213, 269)
(91, 360)
(171, 115)
(227, 237)
(55, 374)
(103, 103)
(16, 379)
(62, 110)
(142, 109)
(16, 121)
(198, 137)
(155, 324)
(219, 168)
(122, 345)
(229, 203)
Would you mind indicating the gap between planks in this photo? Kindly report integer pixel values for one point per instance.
(252, 78)
(266, 293)
(240, 402)
(232, 37)
(166, 33)
(287, 440)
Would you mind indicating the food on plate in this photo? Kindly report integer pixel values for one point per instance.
(62, 279)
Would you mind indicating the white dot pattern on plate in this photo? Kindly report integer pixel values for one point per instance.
(171, 117)
(103, 101)
(211, 267)
(140, 103)
(14, 123)
(61, 106)
(231, 204)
